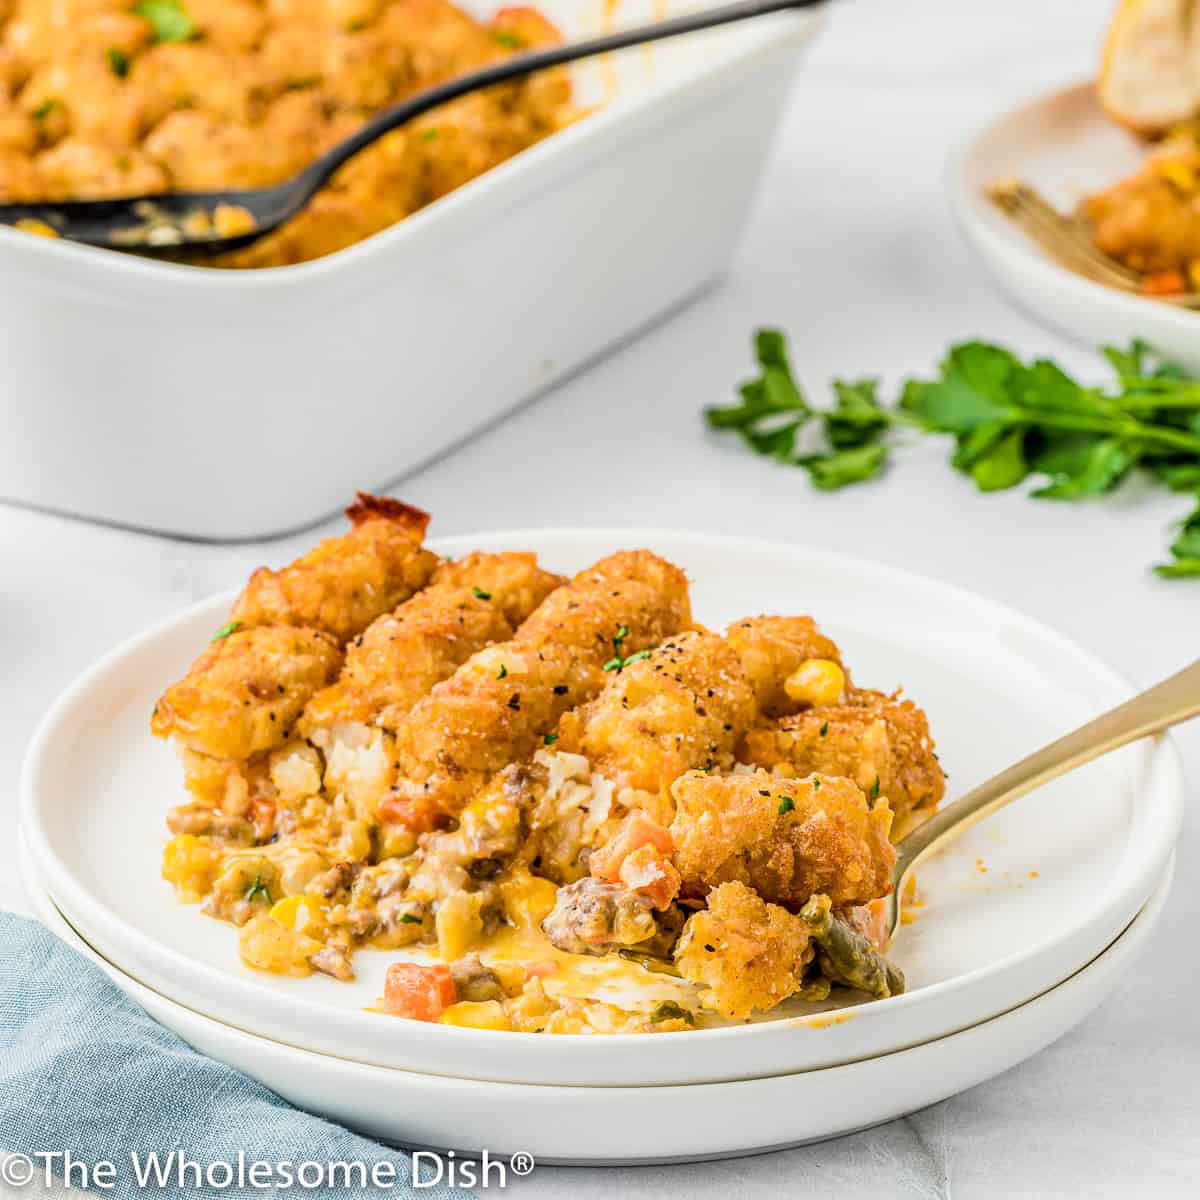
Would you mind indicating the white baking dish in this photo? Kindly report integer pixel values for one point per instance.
(220, 404)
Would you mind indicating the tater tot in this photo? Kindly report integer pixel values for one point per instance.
(246, 690)
(748, 955)
(497, 706)
(788, 839)
(232, 25)
(341, 585)
(90, 170)
(880, 742)
(682, 707)
(771, 648)
(399, 657)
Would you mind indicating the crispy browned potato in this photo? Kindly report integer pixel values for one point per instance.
(342, 584)
(746, 953)
(497, 706)
(681, 707)
(246, 690)
(397, 660)
(771, 648)
(880, 742)
(786, 838)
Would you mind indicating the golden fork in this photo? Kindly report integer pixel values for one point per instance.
(1168, 703)
(1068, 241)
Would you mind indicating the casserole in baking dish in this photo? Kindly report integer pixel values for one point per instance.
(132, 383)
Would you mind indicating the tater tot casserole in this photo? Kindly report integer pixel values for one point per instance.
(560, 803)
(110, 98)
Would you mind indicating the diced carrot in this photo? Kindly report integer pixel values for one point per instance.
(638, 830)
(420, 814)
(1164, 283)
(540, 969)
(419, 993)
(262, 817)
(648, 871)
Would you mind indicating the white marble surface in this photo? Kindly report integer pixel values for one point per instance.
(851, 249)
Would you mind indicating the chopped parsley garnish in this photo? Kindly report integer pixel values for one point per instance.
(226, 630)
(429, 135)
(256, 890)
(786, 805)
(46, 107)
(480, 594)
(508, 39)
(618, 662)
(824, 729)
(549, 739)
(118, 60)
(873, 794)
(409, 919)
(168, 19)
(816, 785)
(503, 672)
(1011, 421)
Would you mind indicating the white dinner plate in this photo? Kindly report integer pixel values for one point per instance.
(1015, 907)
(656, 1124)
(1066, 146)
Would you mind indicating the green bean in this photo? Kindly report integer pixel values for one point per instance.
(813, 990)
(849, 956)
(648, 962)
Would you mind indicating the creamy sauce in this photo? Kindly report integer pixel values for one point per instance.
(607, 978)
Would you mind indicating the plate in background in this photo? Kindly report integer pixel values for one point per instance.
(1016, 906)
(1065, 145)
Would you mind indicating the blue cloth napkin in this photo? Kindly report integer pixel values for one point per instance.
(84, 1070)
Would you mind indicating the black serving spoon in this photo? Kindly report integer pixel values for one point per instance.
(224, 220)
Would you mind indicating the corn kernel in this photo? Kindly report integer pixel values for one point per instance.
(816, 681)
(302, 914)
(1179, 173)
(459, 923)
(191, 864)
(270, 946)
(231, 220)
(476, 1014)
(396, 842)
(527, 900)
(36, 227)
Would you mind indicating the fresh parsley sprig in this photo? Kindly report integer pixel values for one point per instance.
(1011, 421)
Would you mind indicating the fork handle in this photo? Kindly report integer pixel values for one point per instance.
(1168, 703)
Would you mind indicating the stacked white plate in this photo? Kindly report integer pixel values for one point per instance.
(1026, 923)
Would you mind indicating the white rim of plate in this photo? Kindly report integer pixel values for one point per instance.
(60, 882)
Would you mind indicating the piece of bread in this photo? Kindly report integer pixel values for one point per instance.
(1150, 73)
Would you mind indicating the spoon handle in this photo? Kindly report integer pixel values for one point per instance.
(518, 65)
(1168, 703)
